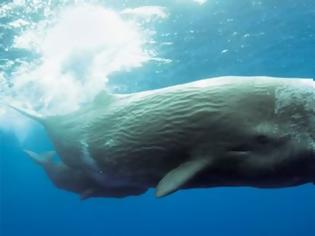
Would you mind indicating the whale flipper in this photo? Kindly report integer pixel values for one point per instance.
(179, 176)
(30, 114)
(41, 159)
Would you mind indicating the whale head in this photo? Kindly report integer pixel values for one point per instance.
(278, 142)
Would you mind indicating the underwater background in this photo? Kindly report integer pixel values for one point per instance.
(55, 56)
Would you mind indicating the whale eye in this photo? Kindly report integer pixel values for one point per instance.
(262, 139)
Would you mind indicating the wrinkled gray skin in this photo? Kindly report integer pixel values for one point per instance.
(227, 131)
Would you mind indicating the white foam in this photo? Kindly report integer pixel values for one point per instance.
(147, 12)
(200, 2)
(78, 53)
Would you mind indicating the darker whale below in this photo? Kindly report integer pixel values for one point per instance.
(226, 131)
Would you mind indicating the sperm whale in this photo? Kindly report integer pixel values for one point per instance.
(224, 131)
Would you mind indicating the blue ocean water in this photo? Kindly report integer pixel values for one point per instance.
(266, 37)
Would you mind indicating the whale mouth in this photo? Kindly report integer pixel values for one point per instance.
(242, 148)
(239, 150)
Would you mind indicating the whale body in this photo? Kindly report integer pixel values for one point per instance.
(225, 131)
